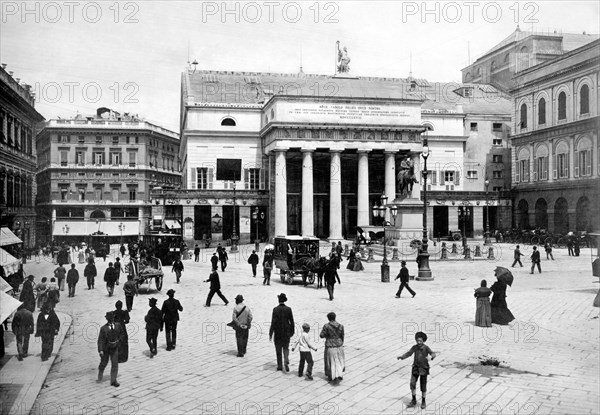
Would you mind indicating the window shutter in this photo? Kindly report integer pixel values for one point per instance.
(536, 165)
(588, 164)
(442, 176)
(518, 172)
(246, 179)
(210, 178)
(434, 177)
(261, 173)
(527, 171)
(194, 177)
(554, 166)
(576, 164)
(568, 164)
(545, 168)
(457, 177)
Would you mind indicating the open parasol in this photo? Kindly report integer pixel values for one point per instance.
(504, 275)
(269, 246)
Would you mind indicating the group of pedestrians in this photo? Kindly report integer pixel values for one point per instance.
(47, 327)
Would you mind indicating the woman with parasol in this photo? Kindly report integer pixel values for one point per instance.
(500, 312)
(483, 313)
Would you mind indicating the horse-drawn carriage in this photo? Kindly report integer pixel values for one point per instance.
(145, 271)
(296, 256)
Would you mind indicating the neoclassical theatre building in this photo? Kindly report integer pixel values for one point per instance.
(313, 154)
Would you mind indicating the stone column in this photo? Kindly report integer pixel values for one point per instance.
(363, 189)
(308, 228)
(453, 218)
(550, 144)
(550, 213)
(390, 179)
(335, 196)
(280, 193)
(478, 225)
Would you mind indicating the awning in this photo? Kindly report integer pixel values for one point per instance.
(111, 228)
(9, 262)
(74, 228)
(8, 238)
(8, 305)
(5, 286)
(172, 224)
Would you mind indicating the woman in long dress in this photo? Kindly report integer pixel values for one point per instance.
(122, 317)
(41, 289)
(500, 312)
(81, 256)
(351, 259)
(335, 361)
(358, 266)
(483, 313)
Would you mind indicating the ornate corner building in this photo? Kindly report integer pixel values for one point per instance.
(18, 120)
(555, 142)
(95, 174)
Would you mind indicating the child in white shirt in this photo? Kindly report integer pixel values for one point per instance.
(305, 345)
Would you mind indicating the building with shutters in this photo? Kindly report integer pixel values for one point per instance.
(18, 121)
(316, 152)
(555, 143)
(95, 174)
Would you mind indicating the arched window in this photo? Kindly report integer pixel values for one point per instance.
(522, 167)
(542, 111)
(561, 161)
(523, 121)
(583, 158)
(507, 58)
(468, 77)
(228, 122)
(562, 106)
(584, 100)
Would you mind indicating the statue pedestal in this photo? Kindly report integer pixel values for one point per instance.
(409, 220)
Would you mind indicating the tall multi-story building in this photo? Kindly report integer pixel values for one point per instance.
(18, 120)
(521, 50)
(555, 142)
(95, 175)
(315, 153)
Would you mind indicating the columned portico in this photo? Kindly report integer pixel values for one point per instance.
(363, 210)
(280, 193)
(335, 196)
(307, 193)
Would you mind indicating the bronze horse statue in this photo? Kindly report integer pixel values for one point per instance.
(406, 177)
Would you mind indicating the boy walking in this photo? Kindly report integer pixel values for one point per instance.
(535, 260)
(420, 367)
(305, 345)
(404, 277)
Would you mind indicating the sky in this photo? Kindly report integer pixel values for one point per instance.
(129, 55)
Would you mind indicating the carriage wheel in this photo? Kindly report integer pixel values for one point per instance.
(159, 282)
(549, 241)
(561, 243)
(457, 237)
(282, 275)
(289, 278)
(311, 277)
(535, 240)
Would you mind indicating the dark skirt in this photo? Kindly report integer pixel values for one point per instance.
(500, 312)
(483, 313)
(124, 348)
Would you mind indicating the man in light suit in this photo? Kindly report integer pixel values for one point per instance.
(282, 327)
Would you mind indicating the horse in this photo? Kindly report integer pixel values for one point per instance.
(316, 266)
(406, 178)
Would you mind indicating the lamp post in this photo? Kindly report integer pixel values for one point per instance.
(121, 228)
(258, 218)
(487, 240)
(380, 211)
(464, 214)
(423, 257)
(234, 236)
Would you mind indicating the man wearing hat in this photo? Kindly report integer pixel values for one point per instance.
(170, 315)
(27, 297)
(282, 327)
(108, 348)
(253, 261)
(242, 316)
(403, 275)
(154, 322)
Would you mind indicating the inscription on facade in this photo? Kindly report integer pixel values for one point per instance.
(349, 112)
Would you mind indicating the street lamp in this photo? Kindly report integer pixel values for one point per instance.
(423, 257)
(121, 228)
(487, 240)
(464, 215)
(234, 236)
(258, 218)
(381, 212)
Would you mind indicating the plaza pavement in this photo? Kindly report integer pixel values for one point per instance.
(550, 355)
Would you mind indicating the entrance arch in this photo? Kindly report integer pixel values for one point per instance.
(561, 215)
(523, 214)
(582, 215)
(541, 214)
(97, 214)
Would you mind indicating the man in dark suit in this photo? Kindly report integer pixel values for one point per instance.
(108, 348)
(404, 277)
(110, 277)
(170, 314)
(27, 296)
(22, 327)
(282, 326)
(215, 288)
(154, 322)
(253, 261)
(214, 260)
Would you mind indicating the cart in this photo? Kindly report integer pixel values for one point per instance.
(146, 271)
(293, 256)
